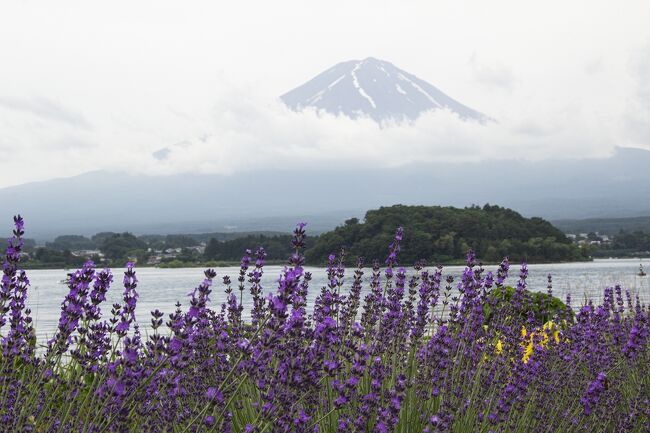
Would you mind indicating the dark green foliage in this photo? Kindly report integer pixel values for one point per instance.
(192, 239)
(606, 226)
(624, 244)
(544, 306)
(122, 246)
(163, 242)
(444, 234)
(99, 238)
(276, 247)
(635, 241)
(188, 255)
(50, 258)
(72, 243)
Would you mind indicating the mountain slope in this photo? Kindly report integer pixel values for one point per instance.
(273, 200)
(604, 226)
(373, 88)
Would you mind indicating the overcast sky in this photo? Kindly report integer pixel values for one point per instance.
(88, 85)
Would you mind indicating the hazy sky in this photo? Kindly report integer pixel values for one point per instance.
(88, 85)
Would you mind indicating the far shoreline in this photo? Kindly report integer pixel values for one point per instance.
(189, 265)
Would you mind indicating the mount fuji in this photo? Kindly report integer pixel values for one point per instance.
(376, 89)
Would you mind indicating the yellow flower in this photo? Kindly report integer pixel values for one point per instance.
(544, 336)
(551, 326)
(528, 352)
(544, 341)
(499, 347)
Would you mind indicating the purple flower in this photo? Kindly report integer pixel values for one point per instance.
(591, 396)
(410, 355)
(394, 248)
(214, 395)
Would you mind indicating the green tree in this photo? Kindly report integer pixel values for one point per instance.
(123, 247)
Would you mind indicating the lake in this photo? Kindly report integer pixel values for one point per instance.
(162, 288)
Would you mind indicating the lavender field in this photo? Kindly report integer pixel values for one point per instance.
(382, 347)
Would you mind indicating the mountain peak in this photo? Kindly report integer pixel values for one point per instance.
(374, 88)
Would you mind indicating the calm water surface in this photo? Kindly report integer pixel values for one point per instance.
(162, 288)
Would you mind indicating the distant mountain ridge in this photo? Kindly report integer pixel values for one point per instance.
(374, 88)
(192, 203)
(604, 226)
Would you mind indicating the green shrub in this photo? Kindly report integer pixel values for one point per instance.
(544, 306)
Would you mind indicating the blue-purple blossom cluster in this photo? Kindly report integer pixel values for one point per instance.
(412, 353)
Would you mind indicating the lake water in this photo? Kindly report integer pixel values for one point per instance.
(162, 288)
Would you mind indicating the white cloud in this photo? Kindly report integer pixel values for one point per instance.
(45, 109)
(492, 75)
(244, 132)
(87, 86)
(638, 106)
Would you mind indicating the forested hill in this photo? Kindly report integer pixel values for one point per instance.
(436, 234)
(444, 234)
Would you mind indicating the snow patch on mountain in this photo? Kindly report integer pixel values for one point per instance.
(355, 82)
